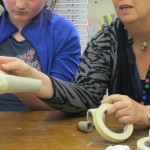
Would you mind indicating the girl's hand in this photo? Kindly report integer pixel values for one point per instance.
(15, 66)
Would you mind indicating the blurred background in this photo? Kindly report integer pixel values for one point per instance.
(89, 16)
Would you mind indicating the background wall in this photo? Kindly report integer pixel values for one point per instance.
(100, 12)
(98, 8)
(89, 16)
(1, 9)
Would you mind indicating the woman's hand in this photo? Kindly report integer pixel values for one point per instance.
(126, 110)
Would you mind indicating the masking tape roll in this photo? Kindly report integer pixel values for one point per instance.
(98, 120)
(143, 143)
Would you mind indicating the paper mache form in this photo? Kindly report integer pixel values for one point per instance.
(16, 84)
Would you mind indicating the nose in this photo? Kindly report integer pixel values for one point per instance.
(21, 4)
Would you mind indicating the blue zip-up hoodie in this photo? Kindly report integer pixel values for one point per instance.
(55, 40)
(57, 44)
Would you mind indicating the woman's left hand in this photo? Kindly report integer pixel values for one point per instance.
(126, 110)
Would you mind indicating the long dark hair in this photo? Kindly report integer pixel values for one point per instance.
(51, 5)
(1, 3)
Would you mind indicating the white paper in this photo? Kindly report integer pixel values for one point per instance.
(118, 147)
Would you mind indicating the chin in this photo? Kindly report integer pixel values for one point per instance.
(128, 20)
(20, 19)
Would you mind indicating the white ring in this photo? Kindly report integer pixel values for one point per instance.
(106, 132)
(141, 143)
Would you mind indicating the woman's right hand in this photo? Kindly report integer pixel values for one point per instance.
(127, 110)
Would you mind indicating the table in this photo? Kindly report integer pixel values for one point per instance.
(52, 130)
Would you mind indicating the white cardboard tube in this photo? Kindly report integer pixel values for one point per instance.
(85, 126)
(90, 114)
(15, 84)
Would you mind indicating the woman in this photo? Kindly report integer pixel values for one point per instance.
(42, 39)
(116, 59)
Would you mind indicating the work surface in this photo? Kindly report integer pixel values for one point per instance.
(53, 131)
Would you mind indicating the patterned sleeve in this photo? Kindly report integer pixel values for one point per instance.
(92, 79)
